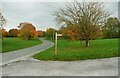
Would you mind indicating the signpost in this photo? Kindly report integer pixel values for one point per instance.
(56, 35)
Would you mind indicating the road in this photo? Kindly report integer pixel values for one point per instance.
(23, 53)
(33, 67)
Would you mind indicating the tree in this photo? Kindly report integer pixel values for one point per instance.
(13, 32)
(3, 32)
(88, 17)
(73, 32)
(64, 31)
(39, 33)
(49, 33)
(2, 22)
(111, 28)
(27, 32)
(70, 32)
(2, 19)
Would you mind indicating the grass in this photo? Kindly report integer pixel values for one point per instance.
(11, 44)
(0, 45)
(74, 50)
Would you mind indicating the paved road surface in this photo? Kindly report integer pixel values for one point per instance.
(20, 54)
(32, 67)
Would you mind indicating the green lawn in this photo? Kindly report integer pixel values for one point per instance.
(10, 44)
(74, 50)
(0, 45)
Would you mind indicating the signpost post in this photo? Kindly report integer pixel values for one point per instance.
(56, 45)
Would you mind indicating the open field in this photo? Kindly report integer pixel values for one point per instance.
(10, 44)
(74, 50)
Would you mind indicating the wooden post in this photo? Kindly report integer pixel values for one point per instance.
(55, 43)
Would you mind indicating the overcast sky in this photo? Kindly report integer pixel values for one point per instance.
(39, 13)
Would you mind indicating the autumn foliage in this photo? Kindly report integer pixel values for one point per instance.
(73, 32)
(27, 32)
(13, 32)
(4, 32)
(39, 33)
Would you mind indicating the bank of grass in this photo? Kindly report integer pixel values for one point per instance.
(11, 44)
(74, 50)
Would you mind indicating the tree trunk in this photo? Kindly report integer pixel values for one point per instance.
(87, 43)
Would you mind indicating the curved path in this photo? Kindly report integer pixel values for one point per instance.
(33, 67)
(20, 54)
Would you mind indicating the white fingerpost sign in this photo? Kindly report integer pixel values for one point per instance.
(59, 34)
(56, 35)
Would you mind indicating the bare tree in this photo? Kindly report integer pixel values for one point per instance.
(2, 22)
(86, 16)
(2, 19)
